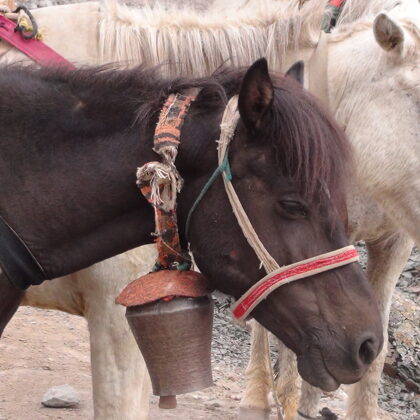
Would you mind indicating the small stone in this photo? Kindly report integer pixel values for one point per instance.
(412, 386)
(61, 396)
(389, 367)
(406, 334)
(407, 397)
(403, 284)
(414, 289)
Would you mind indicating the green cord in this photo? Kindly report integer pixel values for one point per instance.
(223, 167)
(185, 266)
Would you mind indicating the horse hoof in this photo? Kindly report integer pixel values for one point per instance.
(246, 413)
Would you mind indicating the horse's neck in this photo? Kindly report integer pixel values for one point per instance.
(367, 93)
(202, 43)
(76, 42)
(83, 202)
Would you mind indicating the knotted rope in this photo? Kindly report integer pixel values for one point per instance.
(228, 126)
(160, 184)
(24, 19)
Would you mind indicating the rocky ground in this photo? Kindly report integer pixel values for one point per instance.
(401, 385)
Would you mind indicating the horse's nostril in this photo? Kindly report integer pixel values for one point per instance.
(368, 351)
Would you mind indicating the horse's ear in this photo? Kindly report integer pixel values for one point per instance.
(297, 72)
(256, 94)
(388, 33)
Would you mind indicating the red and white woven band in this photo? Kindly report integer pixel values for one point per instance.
(289, 273)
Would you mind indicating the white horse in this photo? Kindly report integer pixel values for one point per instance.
(372, 75)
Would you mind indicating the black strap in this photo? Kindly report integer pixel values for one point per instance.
(16, 261)
(27, 34)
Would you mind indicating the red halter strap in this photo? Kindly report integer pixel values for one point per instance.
(33, 48)
(289, 273)
(336, 3)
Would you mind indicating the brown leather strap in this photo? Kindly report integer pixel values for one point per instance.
(16, 260)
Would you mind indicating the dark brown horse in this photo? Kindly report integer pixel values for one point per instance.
(69, 148)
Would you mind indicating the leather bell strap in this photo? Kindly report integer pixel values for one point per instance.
(290, 273)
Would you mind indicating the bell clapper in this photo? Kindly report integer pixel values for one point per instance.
(167, 402)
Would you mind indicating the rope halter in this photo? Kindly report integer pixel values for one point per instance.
(276, 275)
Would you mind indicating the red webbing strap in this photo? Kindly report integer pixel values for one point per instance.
(33, 48)
(158, 180)
(336, 3)
(171, 119)
(290, 273)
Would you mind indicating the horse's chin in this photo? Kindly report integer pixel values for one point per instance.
(316, 373)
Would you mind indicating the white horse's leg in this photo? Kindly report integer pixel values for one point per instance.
(121, 384)
(386, 260)
(291, 394)
(254, 404)
(288, 381)
(309, 400)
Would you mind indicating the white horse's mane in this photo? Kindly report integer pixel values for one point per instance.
(202, 41)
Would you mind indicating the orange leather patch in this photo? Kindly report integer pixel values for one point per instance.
(162, 284)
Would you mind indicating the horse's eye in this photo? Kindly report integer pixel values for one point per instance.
(292, 208)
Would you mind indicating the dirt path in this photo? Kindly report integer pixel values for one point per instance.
(43, 348)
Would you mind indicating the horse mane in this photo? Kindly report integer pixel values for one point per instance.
(308, 142)
(355, 10)
(309, 145)
(191, 42)
(101, 101)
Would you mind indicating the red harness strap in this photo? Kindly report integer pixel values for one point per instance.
(289, 273)
(336, 3)
(37, 50)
